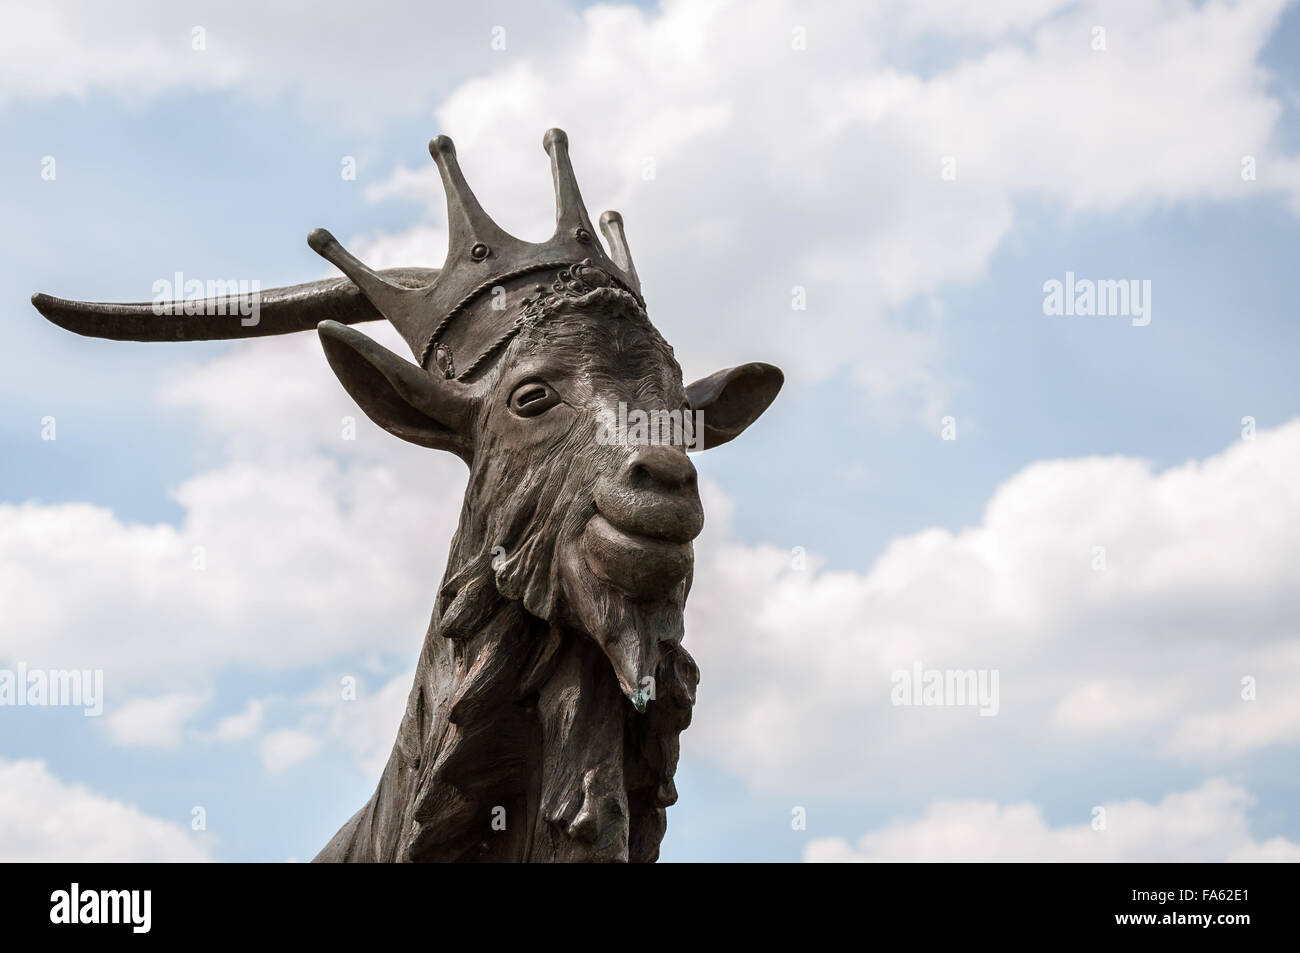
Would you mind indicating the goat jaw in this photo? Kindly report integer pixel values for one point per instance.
(633, 634)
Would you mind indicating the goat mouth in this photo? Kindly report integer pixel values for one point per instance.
(637, 564)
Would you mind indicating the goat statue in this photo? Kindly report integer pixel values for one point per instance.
(552, 685)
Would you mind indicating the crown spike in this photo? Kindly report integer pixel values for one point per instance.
(389, 299)
(470, 230)
(611, 226)
(570, 213)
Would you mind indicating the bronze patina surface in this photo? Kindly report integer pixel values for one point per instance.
(552, 685)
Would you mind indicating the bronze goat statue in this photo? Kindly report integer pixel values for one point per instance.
(552, 685)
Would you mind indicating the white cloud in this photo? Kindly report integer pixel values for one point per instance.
(957, 18)
(303, 547)
(242, 724)
(1198, 594)
(775, 167)
(153, 722)
(287, 747)
(259, 51)
(45, 820)
(1207, 824)
(316, 547)
(368, 724)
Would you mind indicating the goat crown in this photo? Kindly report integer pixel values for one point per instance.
(480, 256)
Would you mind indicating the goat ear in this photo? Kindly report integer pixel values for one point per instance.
(403, 398)
(733, 399)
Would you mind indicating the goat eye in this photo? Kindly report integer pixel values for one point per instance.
(533, 398)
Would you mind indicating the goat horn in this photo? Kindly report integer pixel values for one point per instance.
(279, 311)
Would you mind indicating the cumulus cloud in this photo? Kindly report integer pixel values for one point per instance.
(305, 545)
(765, 153)
(746, 167)
(1207, 824)
(367, 724)
(139, 608)
(287, 747)
(1117, 604)
(243, 724)
(153, 722)
(144, 48)
(45, 820)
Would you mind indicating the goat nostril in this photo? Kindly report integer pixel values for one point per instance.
(660, 467)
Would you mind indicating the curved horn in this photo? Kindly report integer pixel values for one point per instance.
(279, 311)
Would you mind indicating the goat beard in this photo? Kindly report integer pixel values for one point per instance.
(606, 779)
(531, 553)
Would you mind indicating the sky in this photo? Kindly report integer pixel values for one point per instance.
(1098, 508)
